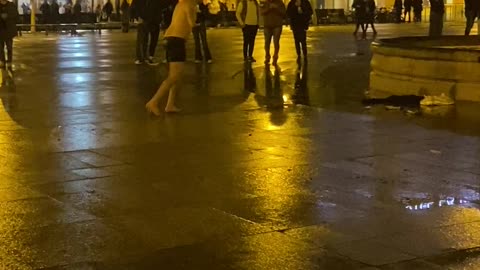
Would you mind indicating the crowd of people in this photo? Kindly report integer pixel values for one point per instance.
(189, 15)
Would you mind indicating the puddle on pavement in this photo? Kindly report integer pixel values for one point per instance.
(414, 204)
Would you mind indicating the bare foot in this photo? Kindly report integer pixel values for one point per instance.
(152, 108)
(172, 109)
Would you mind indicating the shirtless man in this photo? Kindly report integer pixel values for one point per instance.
(183, 20)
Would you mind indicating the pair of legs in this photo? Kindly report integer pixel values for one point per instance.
(8, 43)
(300, 37)
(436, 24)
(359, 24)
(275, 33)
(417, 15)
(176, 56)
(370, 22)
(201, 44)
(147, 32)
(471, 17)
(249, 35)
(408, 11)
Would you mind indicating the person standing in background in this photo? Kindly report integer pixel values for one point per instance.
(407, 4)
(397, 7)
(370, 12)
(148, 14)
(54, 12)
(45, 9)
(437, 10)
(417, 10)
(200, 34)
(248, 17)
(273, 12)
(108, 9)
(77, 12)
(8, 30)
(125, 12)
(360, 15)
(300, 14)
(472, 12)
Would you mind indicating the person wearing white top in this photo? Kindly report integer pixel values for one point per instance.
(248, 17)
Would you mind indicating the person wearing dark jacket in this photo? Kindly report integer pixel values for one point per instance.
(148, 15)
(370, 12)
(417, 10)
(360, 15)
(397, 7)
(437, 10)
(108, 9)
(167, 12)
(45, 9)
(472, 12)
(300, 13)
(407, 4)
(8, 30)
(54, 12)
(200, 35)
(77, 12)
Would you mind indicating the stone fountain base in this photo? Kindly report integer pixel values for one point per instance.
(426, 66)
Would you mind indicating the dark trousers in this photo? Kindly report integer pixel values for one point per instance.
(436, 24)
(471, 16)
(201, 44)
(300, 36)
(147, 32)
(154, 33)
(249, 35)
(275, 33)
(7, 42)
(142, 39)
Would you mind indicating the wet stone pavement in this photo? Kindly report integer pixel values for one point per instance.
(293, 173)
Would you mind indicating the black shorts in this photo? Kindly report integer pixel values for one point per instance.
(176, 51)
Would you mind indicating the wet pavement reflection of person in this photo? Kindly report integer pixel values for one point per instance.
(8, 90)
(249, 80)
(273, 99)
(300, 94)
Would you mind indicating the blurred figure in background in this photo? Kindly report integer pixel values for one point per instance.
(200, 34)
(45, 9)
(397, 8)
(370, 12)
(125, 12)
(108, 9)
(472, 12)
(417, 10)
(360, 9)
(407, 4)
(437, 10)
(8, 30)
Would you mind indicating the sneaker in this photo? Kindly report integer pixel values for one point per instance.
(198, 61)
(151, 62)
(209, 61)
(138, 62)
